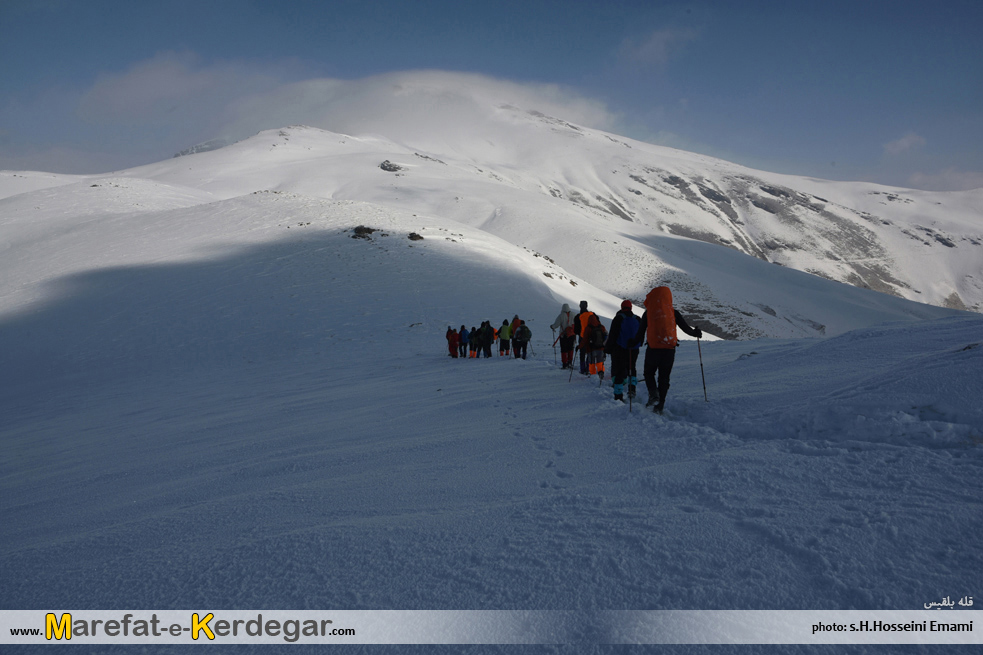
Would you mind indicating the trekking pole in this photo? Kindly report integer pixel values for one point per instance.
(554, 347)
(571, 364)
(700, 350)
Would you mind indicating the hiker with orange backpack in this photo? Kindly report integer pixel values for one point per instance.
(580, 325)
(658, 327)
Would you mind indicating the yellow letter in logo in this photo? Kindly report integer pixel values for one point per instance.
(197, 626)
(60, 629)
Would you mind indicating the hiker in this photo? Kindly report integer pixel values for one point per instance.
(513, 326)
(463, 337)
(520, 340)
(504, 339)
(473, 338)
(597, 335)
(658, 326)
(453, 341)
(580, 325)
(624, 329)
(476, 339)
(568, 335)
(487, 338)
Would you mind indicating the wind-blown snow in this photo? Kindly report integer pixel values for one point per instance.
(214, 396)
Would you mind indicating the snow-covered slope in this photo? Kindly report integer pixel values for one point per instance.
(568, 256)
(242, 406)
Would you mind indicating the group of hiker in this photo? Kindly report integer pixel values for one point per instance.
(583, 332)
(656, 328)
(512, 337)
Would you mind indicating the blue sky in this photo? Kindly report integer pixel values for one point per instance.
(889, 92)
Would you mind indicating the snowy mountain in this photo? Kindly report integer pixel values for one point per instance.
(522, 165)
(218, 393)
(599, 209)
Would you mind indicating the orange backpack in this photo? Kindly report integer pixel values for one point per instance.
(584, 320)
(661, 331)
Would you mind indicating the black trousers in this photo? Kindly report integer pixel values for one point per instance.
(623, 364)
(658, 361)
(520, 348)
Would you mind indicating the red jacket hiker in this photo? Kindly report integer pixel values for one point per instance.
(453, 341)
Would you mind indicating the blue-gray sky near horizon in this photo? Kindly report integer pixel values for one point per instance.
(883, 91)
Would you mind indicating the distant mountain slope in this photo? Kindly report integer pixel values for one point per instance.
(602, 210)
(466, 143)
(545, 176)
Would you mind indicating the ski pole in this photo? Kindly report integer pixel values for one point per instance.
(554, 347)
(628, 374)
(571, 364)
(700, 350)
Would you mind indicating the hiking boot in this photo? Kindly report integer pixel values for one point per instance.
(619, 396)
(662, 401)
(631, 391)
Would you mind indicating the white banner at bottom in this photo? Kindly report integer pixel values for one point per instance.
(207, 626)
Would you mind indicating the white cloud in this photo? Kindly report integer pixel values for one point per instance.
(411, 105)
(179, 98)
(908, 142)
(658, 48)
(156, 107)
(950, 179)
(173, 88)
